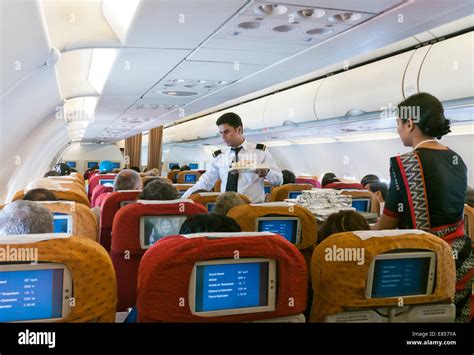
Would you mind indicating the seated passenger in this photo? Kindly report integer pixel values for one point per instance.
(106, 167)
(288, 177)
(199, 191)
(226, 201)
(25, 217)
(90, 172)
(127, 179)
(62, 169)
(40, 195)
(328, 178)
(342, 221)
(136, 168)
(369, 179)
(153, 172)
(201, 223)
(380, 189)
(175, 167)
(149, 179)
(185, 167)
(158, 190)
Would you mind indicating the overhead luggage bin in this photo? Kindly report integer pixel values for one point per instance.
(364, 89)
(294, 105)
(448, 69)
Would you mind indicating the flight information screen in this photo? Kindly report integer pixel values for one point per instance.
(231, 286)
(286, 228)
(61, 223)
(30, 294)
(361, 205)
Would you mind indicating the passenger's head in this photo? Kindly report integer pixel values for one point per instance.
(470, 196)
(52, 173)
(342, 221)
(368, 179)
(231, 129)
(127, 179)
(380, 189)
(25, 217)
(62, 169)
(210, 223)
(185, 168)
(421, 116)
(226, 201)
(40, 195)
(136, 168)
(175, 167)
(158, 190)
(288, 177)
(153, 172)
(149, 179)
(73, 170)
(106, 166)
(199, 191)
(328, 178)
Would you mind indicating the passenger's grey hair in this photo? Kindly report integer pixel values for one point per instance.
(127, 179)
(25, 217)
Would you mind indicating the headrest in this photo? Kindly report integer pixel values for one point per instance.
(164, 202)
(329, 273)
(226, 234)
(165, 270)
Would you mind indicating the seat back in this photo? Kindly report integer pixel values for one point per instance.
(94, 180)
(341, 277)
(126, 250)
(63, 195)
(110, 206)
(374, 201)
(280, 193)
(183, 177)
(94, 293)
(98, 191)
(313, 180)
(248, 215)
(83, 220)
(166, 276)
(172, 175)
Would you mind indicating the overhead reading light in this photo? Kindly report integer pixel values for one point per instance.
(311, 13)
(271, 10)
(101, 64)
(346, 17)
(119, 14)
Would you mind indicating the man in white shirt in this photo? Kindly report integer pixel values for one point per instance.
(239, 150)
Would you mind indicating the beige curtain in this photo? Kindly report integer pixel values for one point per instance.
(133, 150)
(155, 141)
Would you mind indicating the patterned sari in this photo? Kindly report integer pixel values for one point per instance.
(413, 212)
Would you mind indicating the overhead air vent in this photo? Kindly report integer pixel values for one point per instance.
(271, 10)
(250, 25)
(345, 17)
(286, 28)
(320, 31)
(311, 13)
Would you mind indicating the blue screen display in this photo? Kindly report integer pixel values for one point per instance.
(61, 222)
(230, 286)
(400, 277)
(361, 205)
(268, 189)
(116, 165)
(30, 294)
(193, 166)
(210, 207)
(190, 178)
(286, 228)
(294, 194)
(71, 164)
(91, 164)
(106, 182)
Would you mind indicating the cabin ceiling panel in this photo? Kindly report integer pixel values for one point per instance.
(73, 72)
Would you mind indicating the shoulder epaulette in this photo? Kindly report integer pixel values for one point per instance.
(261, 146)
(216, 153)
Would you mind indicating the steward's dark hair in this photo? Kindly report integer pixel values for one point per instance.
(230, 118)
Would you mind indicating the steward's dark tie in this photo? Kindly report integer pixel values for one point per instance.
(233, 176)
